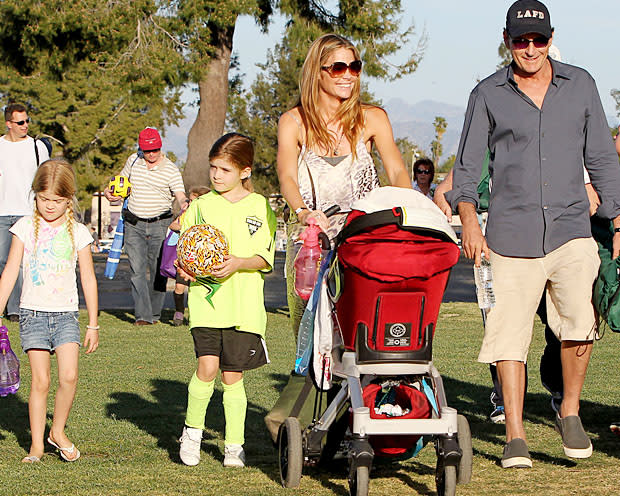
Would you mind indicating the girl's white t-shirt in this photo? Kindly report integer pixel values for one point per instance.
(50, 282)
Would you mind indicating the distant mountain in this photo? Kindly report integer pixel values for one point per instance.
(415, 122)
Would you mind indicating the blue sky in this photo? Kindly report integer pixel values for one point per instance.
(462, 46)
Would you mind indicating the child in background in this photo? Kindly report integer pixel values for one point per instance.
(228, 332)
(181, 284)
(48, 243)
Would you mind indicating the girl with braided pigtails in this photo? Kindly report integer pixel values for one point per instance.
(48, 244)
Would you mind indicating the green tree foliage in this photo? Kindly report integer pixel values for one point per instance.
(255, 112)
(505, 57)
(410, 153)
(440, 125)
(204, 31)
(92, 74)
(447, 164)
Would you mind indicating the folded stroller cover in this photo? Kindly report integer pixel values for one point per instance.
(419, 210)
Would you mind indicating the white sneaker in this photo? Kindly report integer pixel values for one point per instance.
(234, 456)
(190, 446)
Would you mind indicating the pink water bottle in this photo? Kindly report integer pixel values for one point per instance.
(9, 365)
(308, 260)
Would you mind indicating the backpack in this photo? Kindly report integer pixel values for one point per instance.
(48, 144)
(606, 293)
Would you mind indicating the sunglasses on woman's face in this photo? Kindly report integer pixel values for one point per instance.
(338, 69)
(522, 43)
(422, 171)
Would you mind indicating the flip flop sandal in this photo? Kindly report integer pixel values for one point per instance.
(62, 451)
(31, 459)
(615, 428)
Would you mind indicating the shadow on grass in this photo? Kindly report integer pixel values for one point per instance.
(14, 418)
(472, 400)
(123, 315)
(164, 418)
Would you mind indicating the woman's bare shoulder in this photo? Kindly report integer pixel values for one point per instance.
(375, 119)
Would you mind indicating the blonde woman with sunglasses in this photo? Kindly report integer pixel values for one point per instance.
(324, 149)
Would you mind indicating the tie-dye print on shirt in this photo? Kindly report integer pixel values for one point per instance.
(49, 265)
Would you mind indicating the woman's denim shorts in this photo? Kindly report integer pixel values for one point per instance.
(47, 330)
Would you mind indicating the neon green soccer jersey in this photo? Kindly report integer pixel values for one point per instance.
(236, 301)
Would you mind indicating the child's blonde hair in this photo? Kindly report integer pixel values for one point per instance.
(236, 149)
(56, 176)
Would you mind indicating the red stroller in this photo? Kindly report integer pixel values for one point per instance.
(387, 283)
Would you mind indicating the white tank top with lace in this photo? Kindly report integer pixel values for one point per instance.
(323, 185)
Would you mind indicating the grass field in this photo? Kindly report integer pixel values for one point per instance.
(130, 406)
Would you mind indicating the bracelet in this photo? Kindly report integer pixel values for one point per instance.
(94, 328)
(300, 209)
(616, 229)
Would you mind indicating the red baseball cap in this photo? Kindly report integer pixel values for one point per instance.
(149, 139)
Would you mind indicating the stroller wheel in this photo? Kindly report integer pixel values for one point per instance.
(358, 481)
(290, 452)
(464, 437)
(445, 479)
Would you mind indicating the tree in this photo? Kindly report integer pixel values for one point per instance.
(447, 165)
(204, 31)
(505, 57)
(615, 94)
(92, 75)
(440, 125)
(256, 111)
(375, 24)
(410, 153)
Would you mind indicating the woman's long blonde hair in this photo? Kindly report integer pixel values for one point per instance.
(58, 177)
(349, 114)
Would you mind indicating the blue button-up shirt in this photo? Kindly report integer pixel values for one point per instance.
(538, 201)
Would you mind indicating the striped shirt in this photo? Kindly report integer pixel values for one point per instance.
(152, 191)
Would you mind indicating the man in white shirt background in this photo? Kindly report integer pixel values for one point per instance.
(18, 164)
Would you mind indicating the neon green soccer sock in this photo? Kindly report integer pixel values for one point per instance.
(235, 405)
(199, 394)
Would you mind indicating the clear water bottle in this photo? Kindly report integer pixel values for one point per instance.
(9, 365)
(483, 277)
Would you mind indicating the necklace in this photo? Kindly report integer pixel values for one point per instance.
(337, 147)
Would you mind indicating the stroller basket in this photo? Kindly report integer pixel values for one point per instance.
(392, 278)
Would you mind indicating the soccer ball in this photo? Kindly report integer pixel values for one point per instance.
(201, 248)
(120, 186)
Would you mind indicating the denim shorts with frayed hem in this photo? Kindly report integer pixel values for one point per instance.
(47, 330)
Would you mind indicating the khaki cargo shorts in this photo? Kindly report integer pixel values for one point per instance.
(568, 273)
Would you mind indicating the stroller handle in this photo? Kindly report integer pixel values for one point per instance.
(334, 209)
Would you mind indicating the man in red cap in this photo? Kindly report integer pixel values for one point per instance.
(155, 182)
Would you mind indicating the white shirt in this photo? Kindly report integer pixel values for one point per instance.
(18, 165)
(50, 283)
(431, 191)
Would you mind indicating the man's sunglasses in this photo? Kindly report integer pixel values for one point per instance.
(338, 69)
(522, 43)
(21, 123)
(420, 171)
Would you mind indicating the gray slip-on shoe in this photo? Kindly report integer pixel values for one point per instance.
(516, 455)
(575, 441)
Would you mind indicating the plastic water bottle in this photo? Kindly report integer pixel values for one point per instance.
(483, 277)
(9, 365)
(305, 336)
(307, 262)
